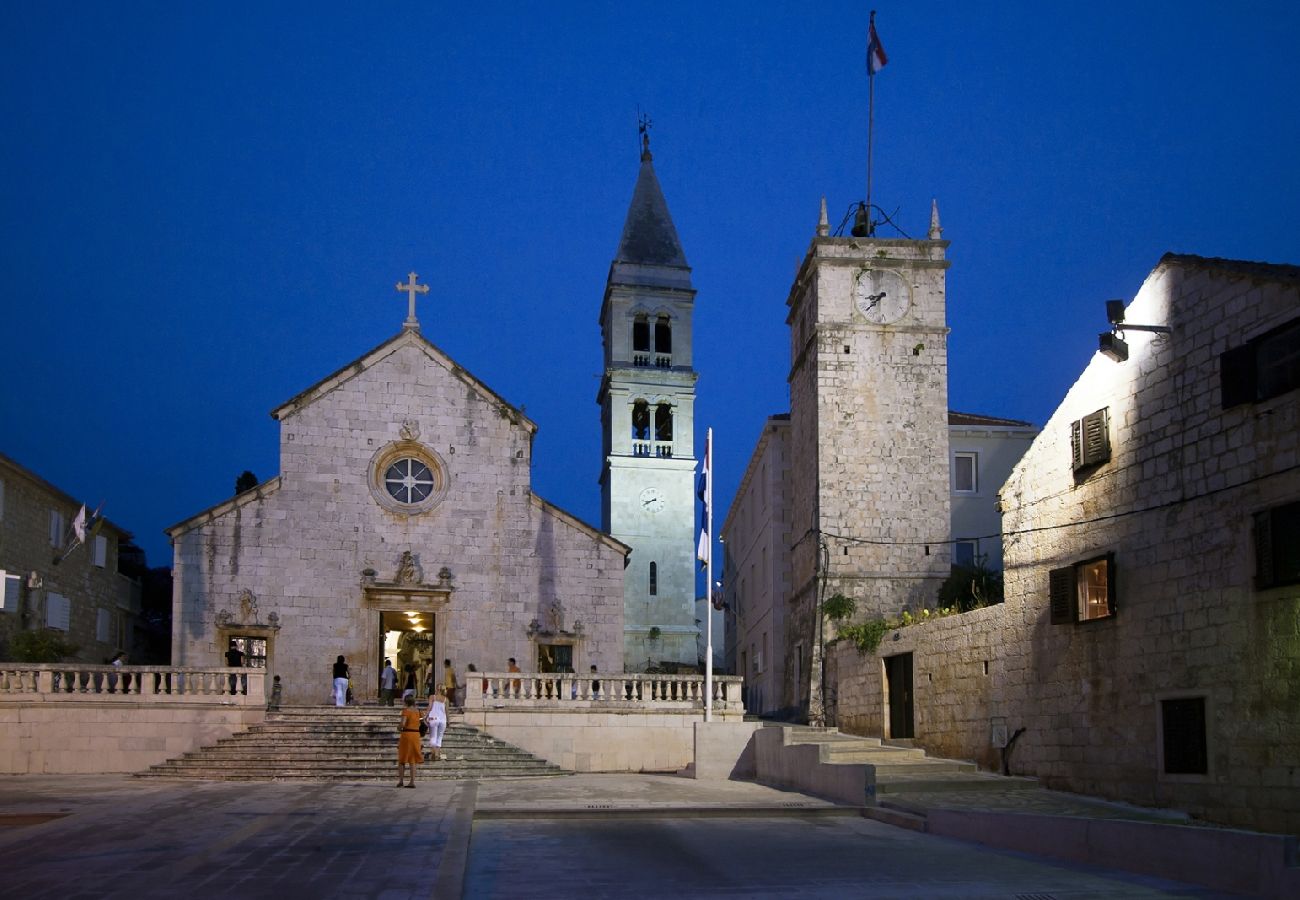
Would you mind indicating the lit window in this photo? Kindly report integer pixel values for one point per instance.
(1084, 591)
(1277, 546)
(964, 473)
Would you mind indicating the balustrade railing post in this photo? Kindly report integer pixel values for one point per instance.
(45, 682)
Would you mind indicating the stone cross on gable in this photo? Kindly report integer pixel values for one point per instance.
(411, 289)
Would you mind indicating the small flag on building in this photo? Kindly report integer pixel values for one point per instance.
(876, 58)
(79, 525)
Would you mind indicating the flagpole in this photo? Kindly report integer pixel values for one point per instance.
(871, 116)
(708, 576)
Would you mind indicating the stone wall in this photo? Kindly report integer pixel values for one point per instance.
(1174, 503)
(99, 738)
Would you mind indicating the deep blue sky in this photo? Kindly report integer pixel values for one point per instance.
(204, 206)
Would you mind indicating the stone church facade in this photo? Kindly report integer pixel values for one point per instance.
(402, 524)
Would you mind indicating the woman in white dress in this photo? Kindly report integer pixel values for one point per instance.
(437, 719)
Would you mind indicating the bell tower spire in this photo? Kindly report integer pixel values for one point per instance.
(647, 401)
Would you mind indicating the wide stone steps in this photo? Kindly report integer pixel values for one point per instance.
(894, 762)
(348, 744)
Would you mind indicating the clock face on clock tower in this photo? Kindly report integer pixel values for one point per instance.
(881, 295)
(652, 500)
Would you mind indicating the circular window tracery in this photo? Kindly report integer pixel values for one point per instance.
(407, 477)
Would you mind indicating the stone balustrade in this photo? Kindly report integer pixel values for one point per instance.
(216, 685)
(625, 691)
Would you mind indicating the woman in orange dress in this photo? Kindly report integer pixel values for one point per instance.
(408, 743)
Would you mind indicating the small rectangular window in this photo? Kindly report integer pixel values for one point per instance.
(963, 553)
(1183, 731)
(1265, 367)
(964, 473)
(99, 551)
(103, 625)
(1277, 546)
(11, 587)
(56, 529)
(1090, 440)
(1093, 581)
(58, 611)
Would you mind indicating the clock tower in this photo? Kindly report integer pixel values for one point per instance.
(869, 425)
(647, 403)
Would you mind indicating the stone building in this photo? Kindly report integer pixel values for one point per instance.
(1147, 650)
(48, 580)
(647, 405)
(403, 525)
(983, 450)
(771, 653)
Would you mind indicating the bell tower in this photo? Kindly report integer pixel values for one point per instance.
(647, 404)
(869, 424)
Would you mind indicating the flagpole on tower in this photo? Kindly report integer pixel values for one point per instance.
(876, 60)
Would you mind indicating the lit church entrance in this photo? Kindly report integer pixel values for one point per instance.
(408, 640)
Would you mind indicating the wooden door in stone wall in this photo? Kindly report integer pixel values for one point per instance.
(898, 685)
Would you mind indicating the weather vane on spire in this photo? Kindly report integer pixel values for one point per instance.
(643, 125)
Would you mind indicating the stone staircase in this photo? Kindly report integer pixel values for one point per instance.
(324, 743)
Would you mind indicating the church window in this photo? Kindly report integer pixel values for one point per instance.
(407, 477)
(1265, 367)
(641, 335)
(654, 579)
(965, 472)
(1090, 440)
(640, 421)
(663, 335)
(409, 481)
(663, 423)
(1277, 546)
(1084, 591)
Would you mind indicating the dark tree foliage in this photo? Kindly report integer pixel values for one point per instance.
(245, 482)
(971, 587)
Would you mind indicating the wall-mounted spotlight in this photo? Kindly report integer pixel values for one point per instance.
(1111, 343)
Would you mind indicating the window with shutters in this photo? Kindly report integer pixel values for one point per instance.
(1277, 546)
(99, 551)
(103, 625)
(654, 579)
(1090, 440)
(1084, 591)
(1265, 367)
(58, 611)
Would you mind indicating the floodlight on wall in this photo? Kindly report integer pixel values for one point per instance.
(1111, 343)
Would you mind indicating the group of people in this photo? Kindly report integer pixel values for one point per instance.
(409, 752)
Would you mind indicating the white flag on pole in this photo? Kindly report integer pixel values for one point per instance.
(79, 525)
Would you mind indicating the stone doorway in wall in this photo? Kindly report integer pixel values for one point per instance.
(898, 696)
(407, 637)
(555, 658)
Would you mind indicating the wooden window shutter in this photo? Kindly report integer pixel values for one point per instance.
(1112, 582)
(1096, 438)
(1264, 549)
(1238, 381)
(1076, 443)
(1286, 544)
(1061, 591)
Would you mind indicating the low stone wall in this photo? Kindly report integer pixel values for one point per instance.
(98, 737)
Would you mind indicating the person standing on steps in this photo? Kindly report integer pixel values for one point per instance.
(408, 741)
(449, 681)
(387, 683)
(340, 682)
(436, 716)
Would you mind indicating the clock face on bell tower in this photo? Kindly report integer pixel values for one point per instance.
(881, 295)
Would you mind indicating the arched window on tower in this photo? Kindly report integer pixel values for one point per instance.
(641, 341)
(654, 579)
(663, 342)
(663, 430)
(640, 428)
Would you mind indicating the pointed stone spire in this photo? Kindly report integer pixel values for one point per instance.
(649, 237)
(823, 224)
(936, 230)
